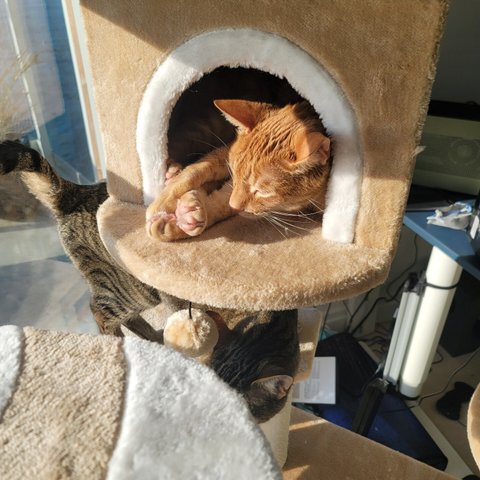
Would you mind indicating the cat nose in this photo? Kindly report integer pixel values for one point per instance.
(236, 210)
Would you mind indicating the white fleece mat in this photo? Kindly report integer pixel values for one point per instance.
(181, 422)
(11, 350)
(176, 419)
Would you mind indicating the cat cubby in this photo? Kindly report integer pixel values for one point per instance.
(369, 81)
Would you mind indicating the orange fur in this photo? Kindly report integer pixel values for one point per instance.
(279, 165)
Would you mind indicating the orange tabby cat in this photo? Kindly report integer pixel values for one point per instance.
(278, 165)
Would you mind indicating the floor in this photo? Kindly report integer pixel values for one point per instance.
(444, 365)
(454, 431)
(40, 287)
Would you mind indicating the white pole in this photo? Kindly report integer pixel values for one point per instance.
(401, 336)
(442, 271)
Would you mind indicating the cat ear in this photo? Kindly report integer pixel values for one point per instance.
(224, 333)
(241, 113)
(277, 385)
(315, 145)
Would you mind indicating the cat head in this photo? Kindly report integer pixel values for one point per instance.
(280, 160)
(259, 360)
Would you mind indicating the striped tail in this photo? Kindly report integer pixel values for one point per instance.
(53, 191)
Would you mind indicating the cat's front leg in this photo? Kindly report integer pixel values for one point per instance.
(189, 219)
(196, 211)
(165, 217)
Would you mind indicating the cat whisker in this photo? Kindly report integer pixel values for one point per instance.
(306, 216)
(229, 169)
(296, 219)
(283, 225)
(279, 231)
(299, 215)
(315, 204)
(320, 209)
(210, 131)
(215, 135)
(274, 226)
(206, 143)
(214, 147)
(291, 225)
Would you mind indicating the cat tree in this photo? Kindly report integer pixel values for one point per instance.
(63, 417)
(366, 67)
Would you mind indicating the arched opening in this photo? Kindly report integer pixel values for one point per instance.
(258, 52)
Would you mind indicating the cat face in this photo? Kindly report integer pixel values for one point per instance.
(259, 360)
(280, 160)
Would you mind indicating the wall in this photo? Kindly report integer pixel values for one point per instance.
(458, 69)
(457, 80)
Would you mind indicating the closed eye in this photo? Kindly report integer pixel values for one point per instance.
(263, 194)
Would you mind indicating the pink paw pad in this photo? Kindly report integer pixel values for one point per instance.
(188, 223)
(183, 209)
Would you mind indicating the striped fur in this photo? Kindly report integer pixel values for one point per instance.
(259, 349)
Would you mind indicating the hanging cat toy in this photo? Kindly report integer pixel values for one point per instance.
(191, 332)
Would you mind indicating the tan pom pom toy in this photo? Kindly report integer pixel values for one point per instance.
(193, 335)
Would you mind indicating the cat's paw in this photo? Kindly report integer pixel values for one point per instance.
(189, 219)
(191, 213)
(173, 169)
(157, 226)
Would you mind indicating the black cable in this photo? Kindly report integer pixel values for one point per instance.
(368, 314)
(438, 361)
(387, 300)
(385, 330)
(392, 297)
(346, 306)
(379, 369)
(399, 289)
(436, 393)
(356, 311)
(449, 380)
(407, 269)
(451, 287)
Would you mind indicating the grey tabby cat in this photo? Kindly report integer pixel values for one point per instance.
(257, 354)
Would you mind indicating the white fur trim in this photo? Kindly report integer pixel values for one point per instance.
(11, 350)
(278, 56)
(180, 421)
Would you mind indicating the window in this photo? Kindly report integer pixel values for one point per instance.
(45, 100)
